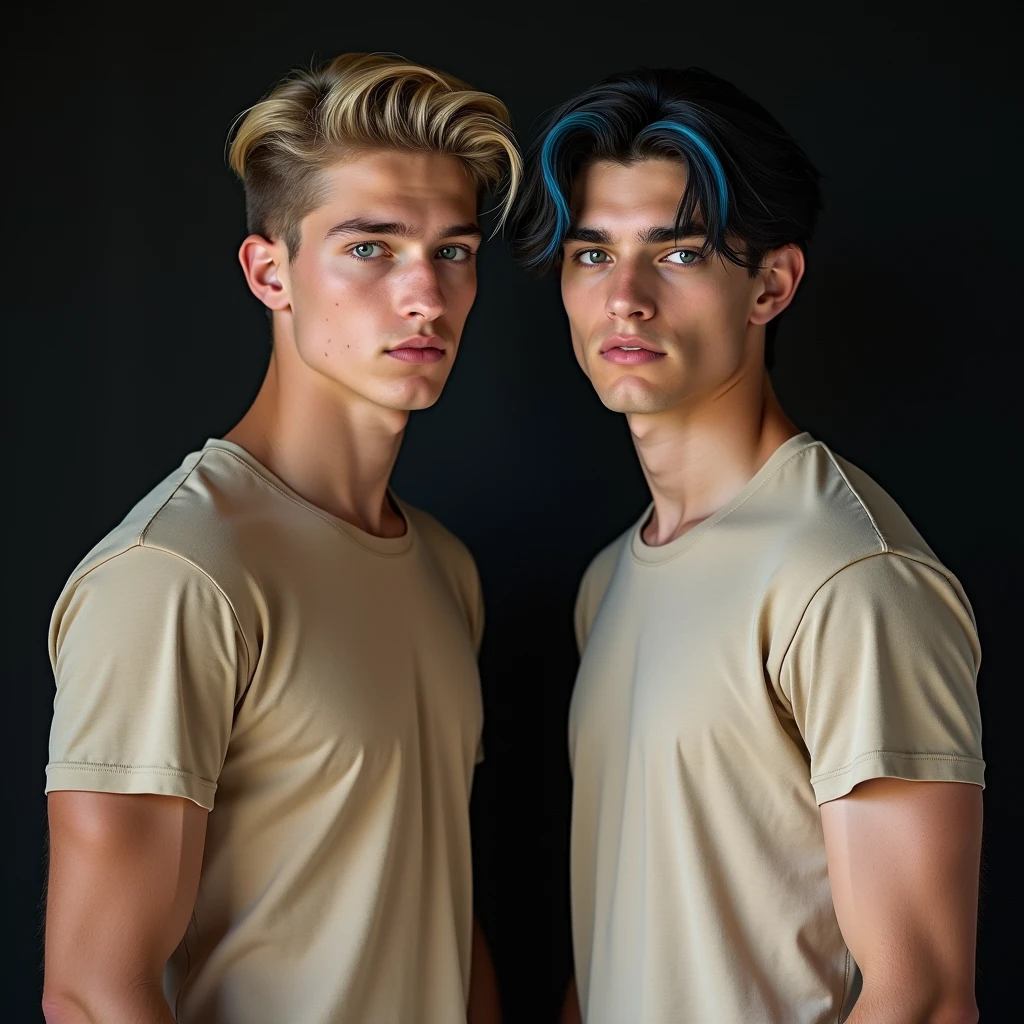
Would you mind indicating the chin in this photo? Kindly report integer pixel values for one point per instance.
(410, 399)
(633, 395)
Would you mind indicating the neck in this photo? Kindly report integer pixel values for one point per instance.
(698, 456)
(331, 446)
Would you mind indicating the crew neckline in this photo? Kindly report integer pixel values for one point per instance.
(646, 554)
(377, 545)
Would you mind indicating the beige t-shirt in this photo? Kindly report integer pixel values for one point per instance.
(800, 641)
(231, 640)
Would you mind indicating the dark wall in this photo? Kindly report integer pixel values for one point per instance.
(130, 338)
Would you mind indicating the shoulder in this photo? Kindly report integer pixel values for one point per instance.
(838, 515)
(188, 527)
(444, 547)
(594, 584)
(598, 573)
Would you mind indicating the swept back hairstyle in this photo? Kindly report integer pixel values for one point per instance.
(749, 184)
(356, 103)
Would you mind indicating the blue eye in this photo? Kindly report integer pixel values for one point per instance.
(687, 257)
(592, 257)
(365, 250)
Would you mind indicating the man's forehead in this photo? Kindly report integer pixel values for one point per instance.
(395, 211)
(405, 176)
(385, 221)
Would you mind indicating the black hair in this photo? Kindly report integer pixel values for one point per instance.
(749, 182)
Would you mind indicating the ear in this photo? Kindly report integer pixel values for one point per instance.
(265, 265)
(780, 276)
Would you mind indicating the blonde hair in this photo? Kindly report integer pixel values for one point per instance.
(355, 103)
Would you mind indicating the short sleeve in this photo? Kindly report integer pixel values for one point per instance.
(881, 678)
(148, 660)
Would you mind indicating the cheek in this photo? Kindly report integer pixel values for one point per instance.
(580, 306)
(332, 304)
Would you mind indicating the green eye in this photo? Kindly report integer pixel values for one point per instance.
(593, 256)
(450, 252)
(686, 257)
(365, 250)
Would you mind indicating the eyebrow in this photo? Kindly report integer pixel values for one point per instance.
(646, 236)
(363, 226)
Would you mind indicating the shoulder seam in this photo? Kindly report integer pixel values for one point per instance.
(886, 553)
(860, 501)
(181, 483)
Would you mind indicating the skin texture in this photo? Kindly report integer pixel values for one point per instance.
(328, 420)
(703, 415)
(331, 413)
(903, 861)
(903, 856)
(124, 872)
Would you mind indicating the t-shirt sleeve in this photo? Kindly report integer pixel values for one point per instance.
(881, 678)
(148, 660)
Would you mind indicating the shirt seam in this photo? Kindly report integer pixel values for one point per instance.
(132, 769)
(903, 754)
(886, 553)
(860, 501)
(316, 512)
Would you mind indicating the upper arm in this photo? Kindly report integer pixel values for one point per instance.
(123, 876)
(148, 660)
(903, 862)
(881, 682)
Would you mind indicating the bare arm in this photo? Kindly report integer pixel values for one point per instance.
(903, 862)
(484, 1004)
(124, 872)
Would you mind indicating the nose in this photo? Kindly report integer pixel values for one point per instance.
(420, 295)
(628, 298)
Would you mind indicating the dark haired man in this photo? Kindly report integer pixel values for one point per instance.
(775, 737)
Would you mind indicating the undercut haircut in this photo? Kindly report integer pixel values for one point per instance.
(358, 103)
(750, 187)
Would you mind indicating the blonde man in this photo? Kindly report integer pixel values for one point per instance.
(268, 711)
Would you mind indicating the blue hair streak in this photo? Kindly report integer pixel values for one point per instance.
(581, 119)
(710, 158)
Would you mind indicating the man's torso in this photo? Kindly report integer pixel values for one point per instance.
(336, 882)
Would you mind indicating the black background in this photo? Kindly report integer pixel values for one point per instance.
(130, 338)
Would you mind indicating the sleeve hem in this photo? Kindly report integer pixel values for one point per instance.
(878, 764)
(130, 779)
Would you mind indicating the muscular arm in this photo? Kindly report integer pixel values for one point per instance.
(124, 871)
(903, 862)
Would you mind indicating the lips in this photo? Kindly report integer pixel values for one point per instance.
(628, 350)
(628, 341)
(421, 348)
